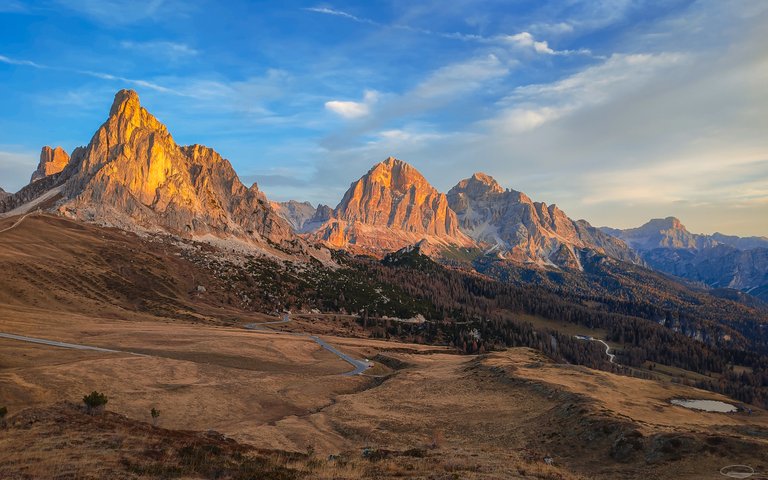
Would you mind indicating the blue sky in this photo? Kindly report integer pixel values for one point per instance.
(618, 111)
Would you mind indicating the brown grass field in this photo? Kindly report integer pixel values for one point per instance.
(237, 403)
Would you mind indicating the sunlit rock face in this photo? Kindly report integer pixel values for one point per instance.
(132, 173)
(388, 208)
(519, 229)
(52, 161)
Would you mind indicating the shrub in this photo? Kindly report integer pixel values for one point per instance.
(155, 413)
(3, 412)
(95, 401)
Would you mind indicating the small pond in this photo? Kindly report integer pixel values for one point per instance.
(705, 405)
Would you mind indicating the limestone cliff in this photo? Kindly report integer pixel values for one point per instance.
(52, 161)
(133, 174)
(519, 229)
(388, 208)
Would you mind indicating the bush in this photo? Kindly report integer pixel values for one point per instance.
(155, 413)
(95, 401)
(3, 412)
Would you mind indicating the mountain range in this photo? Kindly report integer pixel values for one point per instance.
(717, 260)
(134, 176)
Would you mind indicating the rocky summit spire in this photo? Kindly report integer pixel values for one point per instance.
(52, 161)
(124, 100)
(133, 174)
(389, 207)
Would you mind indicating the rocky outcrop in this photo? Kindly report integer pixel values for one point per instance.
(509, 223)
(718, 261)
(52, 161)
(133, 175)
(388, 208)
(3, 194)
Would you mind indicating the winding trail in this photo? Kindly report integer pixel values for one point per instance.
(17, 222)
(73, 346)
(360, 365)
(611, 356)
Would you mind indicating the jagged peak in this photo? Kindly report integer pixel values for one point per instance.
(124, 99)
(484, 178)
(396, 174)
(52, 161)
(478, 184)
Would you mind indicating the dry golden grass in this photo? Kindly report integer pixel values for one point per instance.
(495, 416)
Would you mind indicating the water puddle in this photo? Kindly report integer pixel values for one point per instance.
(705, 405)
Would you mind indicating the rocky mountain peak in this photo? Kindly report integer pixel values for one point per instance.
(133, 175)
(511, 224)
(125, 101)
(666, 232)
(391, 206)
(668, 223)
(476, 186)
(52, 161)
(396, 175)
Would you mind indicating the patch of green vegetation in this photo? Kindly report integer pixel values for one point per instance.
(461, 255)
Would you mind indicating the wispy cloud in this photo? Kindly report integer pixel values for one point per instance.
(13, 6)
(523, 40)
(396, 26)
(461, 77)
(26, 63)
(94, 74)
(531, 106)
(166, 49)
(126, 12)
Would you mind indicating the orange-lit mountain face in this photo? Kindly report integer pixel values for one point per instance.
(133, 175)
(52, 161)
(388, 208)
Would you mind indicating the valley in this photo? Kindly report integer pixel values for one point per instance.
(403, 333)
(425, 407)
(284, 393)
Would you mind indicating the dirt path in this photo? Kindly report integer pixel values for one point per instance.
(17, 222)
(360, 365)
(55, 343)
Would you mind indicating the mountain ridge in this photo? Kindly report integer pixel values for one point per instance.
(717, 261)
(388, 208)
(519, 229)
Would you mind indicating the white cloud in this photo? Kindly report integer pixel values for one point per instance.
(350, 109)
(527, 41)
(531, 106)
